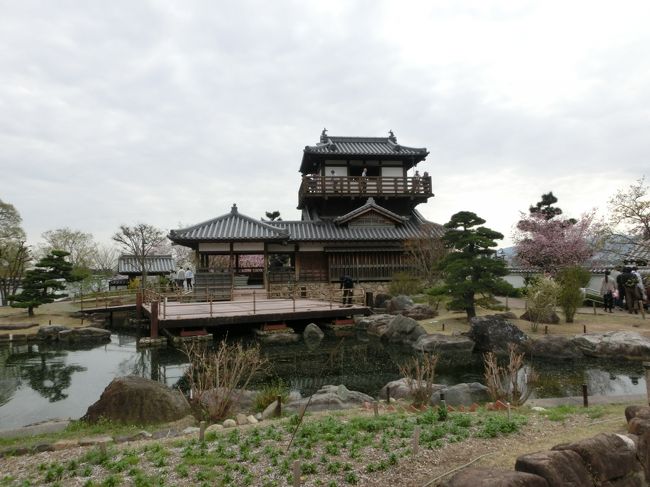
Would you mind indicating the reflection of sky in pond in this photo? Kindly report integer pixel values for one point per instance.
(49, 383)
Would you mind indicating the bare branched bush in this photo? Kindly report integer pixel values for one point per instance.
(511, 383)
(420, 373)
(215, 376)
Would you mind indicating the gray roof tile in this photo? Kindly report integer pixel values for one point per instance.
(156, 264)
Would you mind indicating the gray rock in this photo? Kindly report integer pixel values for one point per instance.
(399, 303)
(487, 477)
(214, 428)
(241, 400)
(85, 335)
(555, 347)
(551, 317)
(614, 344)
(494, 333)
(50, 333)
(280, 337)
(439, 343)
(229, 423)
(271, 410)
(557, 467)
(420, 312)
(403, 330)
(313, 333)
(191, 430)
(608, 456)
(462, 394)
(241, 419)
(400, 389)
(252, 419)
(375, 325)
(330, 397)
(381, 300)
(137, 400)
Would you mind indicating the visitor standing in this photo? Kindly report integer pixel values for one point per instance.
(347, 284)
(180, 278)
(632, 292)
(188, 277)
(416, 181)
(621, 290)
(607, 288)
(364, 180)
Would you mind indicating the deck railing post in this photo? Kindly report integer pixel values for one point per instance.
(138, 305)
(210, 307)
(254, 304)
(165, 308)
(154, 320)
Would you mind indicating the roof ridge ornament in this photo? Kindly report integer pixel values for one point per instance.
(391, 136)
(371, 201)
(234, 209)
(323, 136)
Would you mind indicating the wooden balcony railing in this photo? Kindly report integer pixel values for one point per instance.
(371, 186)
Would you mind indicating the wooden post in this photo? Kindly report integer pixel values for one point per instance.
(369, 299)
(443, 326)
(210, 307)
(545, 329)
(375, 407)
(202, 431)
(508, 404)
(254, 303)
(416, 440)
(585, 397)
(584, 328)
(154, 320)
(138, 305)
(278, 409)
(296, 473)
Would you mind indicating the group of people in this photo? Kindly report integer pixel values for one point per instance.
(625, 291)
(182, 279)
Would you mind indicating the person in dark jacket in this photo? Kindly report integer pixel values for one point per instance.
(621, 290)
(347, 284)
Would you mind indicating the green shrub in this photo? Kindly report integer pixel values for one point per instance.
(269, 393)
(403, 283)
(570, 297)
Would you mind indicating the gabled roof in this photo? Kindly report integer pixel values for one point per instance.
(370, 206)
(156, 264)
(229, 227)
(333, 147)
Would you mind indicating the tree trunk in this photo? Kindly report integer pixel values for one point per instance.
(30, 311)
(470, 309)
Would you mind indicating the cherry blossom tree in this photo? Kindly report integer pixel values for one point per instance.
(550, 244)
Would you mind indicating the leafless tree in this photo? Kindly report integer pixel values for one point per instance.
(140, 240)
(425, 252)
(105, 259)
(81, 246)
(630, 208)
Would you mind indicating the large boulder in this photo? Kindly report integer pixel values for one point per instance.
(381, 299)
(399, 304)
(494, 333)
(439, 343)
(420, 312)
(87, 334)
(136, 400)
(50, 333)
(313, 333)
(549, 317)
(614, 344)
(403, 330)
(555, 347)
(557, 467)
(400, 389)
(609, 457)
(375, 325)
(488, 477)
(330, 397)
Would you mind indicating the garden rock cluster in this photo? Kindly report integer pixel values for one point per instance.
(614, 344)
(60, 333)
(606, 459)
(464, 394)
(330, 397)
(494, 333)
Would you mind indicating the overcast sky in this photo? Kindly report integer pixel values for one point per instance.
(117, 112)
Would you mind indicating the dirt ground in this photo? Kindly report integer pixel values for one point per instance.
(54, 313)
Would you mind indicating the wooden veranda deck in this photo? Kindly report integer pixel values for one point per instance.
(166, 312)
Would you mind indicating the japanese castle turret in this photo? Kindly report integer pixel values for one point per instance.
(358, 197)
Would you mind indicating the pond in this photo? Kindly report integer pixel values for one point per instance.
(39, 382)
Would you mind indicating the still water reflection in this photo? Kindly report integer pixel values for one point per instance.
(38, 382)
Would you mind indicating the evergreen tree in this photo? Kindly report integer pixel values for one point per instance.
(40, 285)
(470, 267)
(545, 207)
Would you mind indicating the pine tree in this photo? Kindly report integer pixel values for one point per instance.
(40, 285)
(545, 207)
(470, 267)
